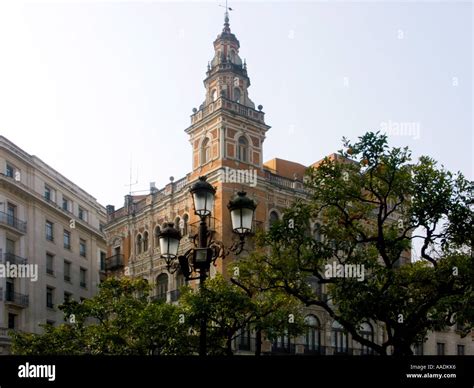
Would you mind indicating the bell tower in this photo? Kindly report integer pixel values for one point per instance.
(227, 130)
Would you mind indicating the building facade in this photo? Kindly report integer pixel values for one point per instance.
(226, 134)
(51, 232)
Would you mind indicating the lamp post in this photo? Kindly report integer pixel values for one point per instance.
(206, 251)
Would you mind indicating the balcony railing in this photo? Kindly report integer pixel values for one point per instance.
(17, 299)
(283, 349)
(114, 262)
(4, 331)
(13, 259)
(12, 221)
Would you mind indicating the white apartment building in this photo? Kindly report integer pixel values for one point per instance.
(51, 231)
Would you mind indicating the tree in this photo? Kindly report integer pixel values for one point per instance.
(230, 308)
(119, 320)
(369, 207)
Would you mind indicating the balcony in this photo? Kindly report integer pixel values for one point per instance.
(13, 259)
(114, 262)
(16, 299)
(13, 222)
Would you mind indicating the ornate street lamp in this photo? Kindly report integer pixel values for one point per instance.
(203, 197)
(169, 243)
(242, 210)
(199, 258)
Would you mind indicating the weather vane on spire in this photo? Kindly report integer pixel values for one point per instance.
(226, 18)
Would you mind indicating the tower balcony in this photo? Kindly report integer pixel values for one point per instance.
(229, 105)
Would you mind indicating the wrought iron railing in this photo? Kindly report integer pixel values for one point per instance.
(12, 221)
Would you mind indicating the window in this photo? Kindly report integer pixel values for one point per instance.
(461, 350)
(313, 334)
(244, 338)
(12, 321)
(283, 344)
(67, 239)
(418, 349)
(367, 332)
(214, 95)
(237, 95)
(162, 286)
(10, 246)
(66, 204)
(440, 348)
(10, 290)
(139, 244)
(11, 213)
(82, 214)
(102, 261)
(145, 242)
(82, 247)
(48, 193)
(49, 231)
(83, 277)
(339, 338)
(205, 151)
(67, 296)
(67, 271)
(49, 264)
(10, 171)
(242, 149)
(273, 218)
(49, 297)
(177, 224)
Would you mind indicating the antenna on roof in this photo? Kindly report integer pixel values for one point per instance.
(130, 184)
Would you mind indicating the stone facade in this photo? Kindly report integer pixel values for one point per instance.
(52, 225)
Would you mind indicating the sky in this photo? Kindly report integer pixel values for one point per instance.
(103, 90)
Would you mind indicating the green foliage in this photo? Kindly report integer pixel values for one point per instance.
(371, 204)
(119, 320)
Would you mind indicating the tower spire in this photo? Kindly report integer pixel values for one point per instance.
(226, 18)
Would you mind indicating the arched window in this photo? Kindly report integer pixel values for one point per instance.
(162, 286)
(139, 244)
(273, 217)
(367, 332)
(232, 56)
(339, 339)
(156, 237)
(317, 232)
(214, 95)
(185, 224)
(205, 151)
(242, 149)
(145, 242)
(177, 224)
(312, 342)
(237, 95)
